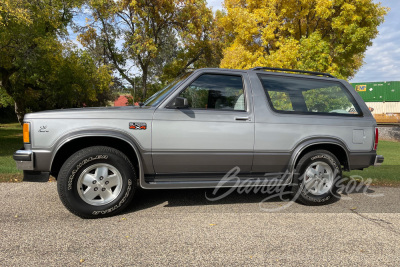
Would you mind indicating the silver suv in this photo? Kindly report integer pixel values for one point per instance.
(271, 127)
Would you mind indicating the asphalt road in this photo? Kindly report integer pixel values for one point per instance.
(181, 227)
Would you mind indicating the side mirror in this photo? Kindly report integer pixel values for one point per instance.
(179, 102)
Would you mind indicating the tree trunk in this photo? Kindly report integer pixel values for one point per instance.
(19, 112)
(190, 62)
(144, 82)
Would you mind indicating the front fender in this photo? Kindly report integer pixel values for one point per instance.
(141, 154)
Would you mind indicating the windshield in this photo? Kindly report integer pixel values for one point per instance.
(155, 99)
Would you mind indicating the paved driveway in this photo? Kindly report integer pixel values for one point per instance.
(181, 227)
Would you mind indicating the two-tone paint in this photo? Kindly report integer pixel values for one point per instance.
(186, 148)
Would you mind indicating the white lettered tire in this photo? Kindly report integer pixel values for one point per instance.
(316, 179)
(96, 182)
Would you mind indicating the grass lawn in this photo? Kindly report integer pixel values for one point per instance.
(387, 174)
(10, 141)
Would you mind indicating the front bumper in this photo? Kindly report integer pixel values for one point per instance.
(24, 160)
(378, 160)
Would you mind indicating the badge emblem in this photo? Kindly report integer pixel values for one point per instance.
(43, 129)
(137, 126)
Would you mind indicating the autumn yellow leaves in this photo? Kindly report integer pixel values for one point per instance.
(141, 45)
(319, 35)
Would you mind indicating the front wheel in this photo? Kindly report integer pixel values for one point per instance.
(316, 178)
(96, 182)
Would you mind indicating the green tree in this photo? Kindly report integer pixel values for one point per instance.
(152, 34)
(38, 68)
(5, 99)
(319, 35)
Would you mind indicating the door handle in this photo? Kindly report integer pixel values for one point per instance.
(242, 118)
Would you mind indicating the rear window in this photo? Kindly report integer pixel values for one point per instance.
(308, 96)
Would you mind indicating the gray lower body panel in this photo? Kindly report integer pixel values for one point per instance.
(270, 162)
(363, 160)
(192, 162)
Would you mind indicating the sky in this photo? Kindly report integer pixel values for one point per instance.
(382, 59)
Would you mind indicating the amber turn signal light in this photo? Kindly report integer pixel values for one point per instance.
(26, 132)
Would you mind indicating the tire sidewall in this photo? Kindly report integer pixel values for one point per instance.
(301, 193)
(77, 163)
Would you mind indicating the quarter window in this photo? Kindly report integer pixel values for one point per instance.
(217, 92)
(308, 96)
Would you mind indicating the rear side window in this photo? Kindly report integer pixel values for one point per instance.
(308, 96)
(216, 92)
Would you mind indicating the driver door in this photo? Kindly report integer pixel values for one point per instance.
(213, 135)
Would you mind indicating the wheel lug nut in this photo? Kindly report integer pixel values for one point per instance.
(95, 189)
(107, 182)
(94, 182)
(101, 178)
(103, 189)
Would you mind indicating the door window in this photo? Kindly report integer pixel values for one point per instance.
(216, 92)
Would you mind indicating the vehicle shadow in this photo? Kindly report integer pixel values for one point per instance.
(356, 189)
(146, 199)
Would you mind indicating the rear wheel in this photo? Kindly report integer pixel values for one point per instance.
(316, 178)
(96, 182)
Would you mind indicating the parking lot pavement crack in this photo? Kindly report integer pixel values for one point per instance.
(380, 222)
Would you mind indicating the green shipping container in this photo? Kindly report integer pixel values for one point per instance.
(378, 91)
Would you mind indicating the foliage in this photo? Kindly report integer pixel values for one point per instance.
(319, 35)
(162, 38)
(5, 99)
(39, 71)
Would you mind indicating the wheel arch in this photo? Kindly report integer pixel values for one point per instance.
(74, 142)
(336, 147)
